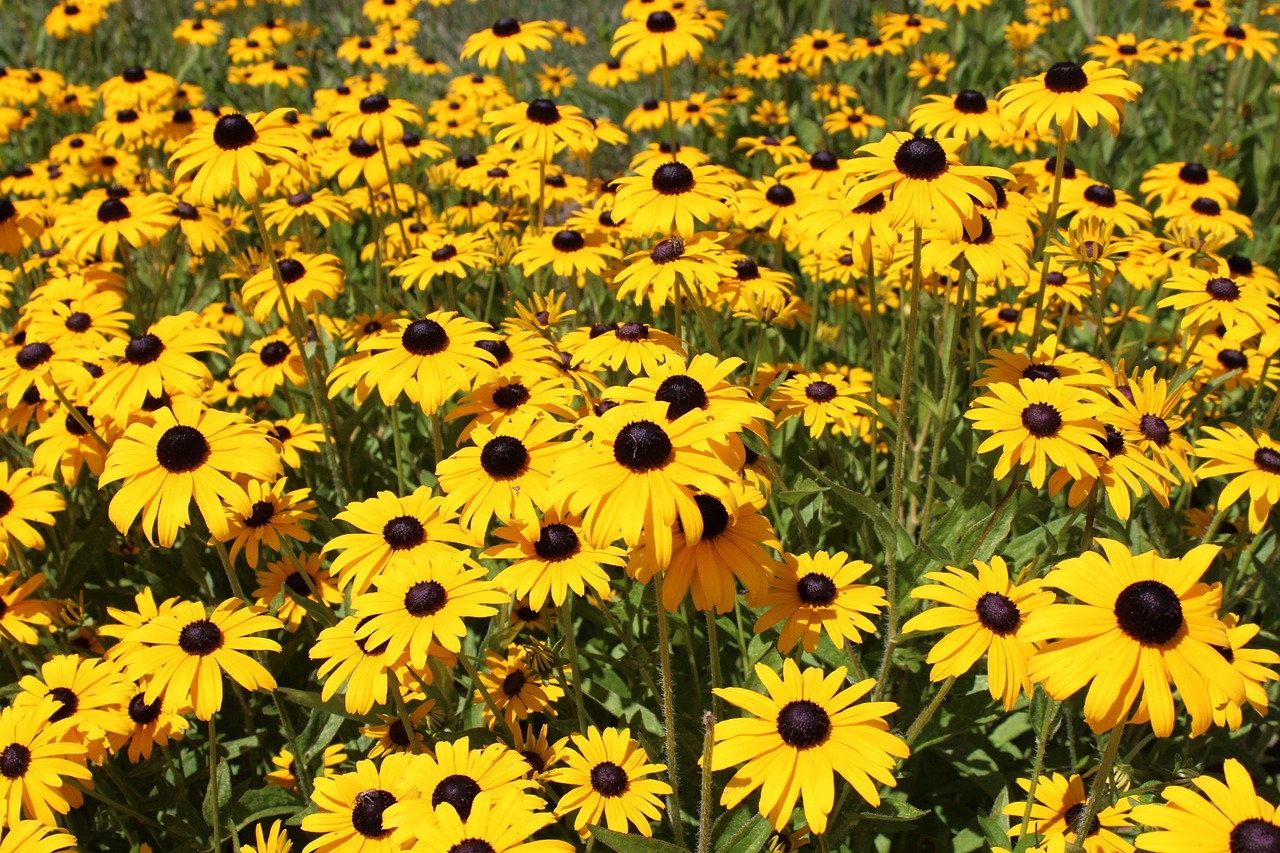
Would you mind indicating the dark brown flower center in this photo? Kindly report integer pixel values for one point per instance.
(113, 210)
(820, 392)
(233, 131)
(673, 178)
(609, 780)
(367, 809)
(374, 104)
(1267, 459)
(998, 614)
(1155, 429)
(1149, 612)
(261, 514)
(201, 637)
(514, 683)
(542, 111)
(144, 349)
(424, 337)
(780, 195)
(33, 355)
(404, 532)
(970, 102)
(921, 159)
(715, 518)
(1101, 195)
(506, 27)
(181, 449)
(1072, 818)
(1065, 77)
(14, 761)
(1206, 207)
(667, 251)
(642, 446)
(1254, 835)
(504, 457)
(568, 241)
(1222, 289)
(660, 22)
(816, 590)
(458, 791)
(274, 353)
(1041, 420)
(142, 712)
(69, 703)
(425, 598)
(556, 542)
(511, 396)
(682, 394)
(803, 724)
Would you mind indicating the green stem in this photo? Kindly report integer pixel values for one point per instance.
(917, 726)
(213, 782)
(300, 772)
(904, 390)
(402, 711)
(1091, 809)
(575, 668)
(232, 578)
(713, 652)
(79, 417)
(705, 816)
(1042, 740)
(398, 441)
(668, 712)
(1048, 235)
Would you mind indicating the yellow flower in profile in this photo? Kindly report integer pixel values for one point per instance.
(507, 38)
(983, 615)
(662, 40)
(1068, 94)
(807, 729)
(1142, 621)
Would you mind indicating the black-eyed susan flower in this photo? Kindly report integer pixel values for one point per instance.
(271, 362)
(91, 695)
(105, 226)
(34, 836)
(639, 346)
(188, 452)
(1255, 667)
(923, 181)
(507, 38)
(162, 360)
(187, 650)
(543, 128)
(447, 254)
(730, 553)
(44, 368)
(420, 603)
(1125, 49)
(1235, 39)
(570, 253)
(25, 497)
(607, 773)
(983, 614)
(1037, 421)
(514, 688)
(667, 198)
(37, 761)
(1068, 94)
(1142, 621)
(1208, 298)
(966, 114)
(1057, 810)
(500, 821)
(810, 594)
(663, 39)
(376, 119)
(151, 724)
(273, 515)
(553, 556)
(417, 527)
(854, 120)
(505, 474)
(695, 266)
(360, 670)
(351, 807)
(1124, 471)
(1180, 180)
(22, 616)
(822, 401)
(1251, 460)
(1222, 817)
(808, 729)
(428, 360)
(295, 436)
(457, 774)
(639, 473)
(235, 153)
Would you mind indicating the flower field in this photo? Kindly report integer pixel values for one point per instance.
(645, 426)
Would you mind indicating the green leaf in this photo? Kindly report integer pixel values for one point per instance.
(623, 843)
(740, 831)
(262, 803)
(894, 811)
(219, 791)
